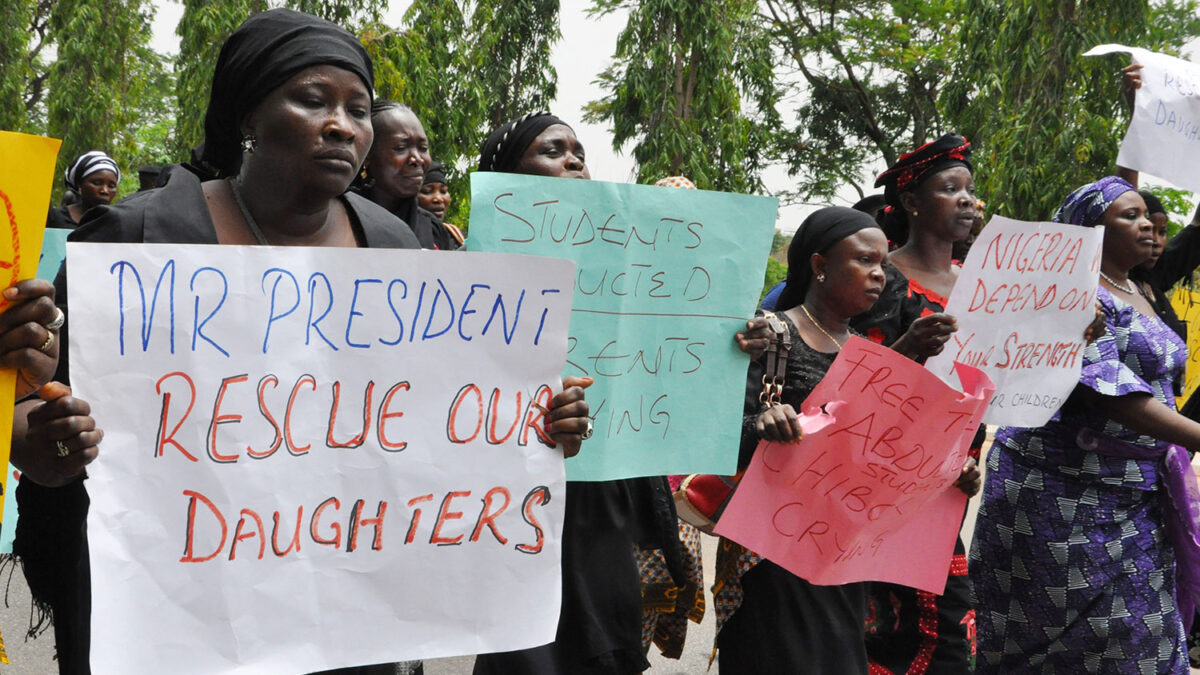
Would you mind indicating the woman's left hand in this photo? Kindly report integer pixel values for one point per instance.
(971, 479)
(1097, 328)
(28, 335)
(755, 339)
(568, 422)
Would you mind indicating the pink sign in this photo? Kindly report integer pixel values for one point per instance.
(868, 494)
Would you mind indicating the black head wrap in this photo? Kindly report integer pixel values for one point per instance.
(266, 50)
(436, 173)
(1153, 204)
(503, 149)
(948, 151)
(817, 234)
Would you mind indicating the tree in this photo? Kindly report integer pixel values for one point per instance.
(22, 68)
(346, 13)
(676, 89)
(868, 75)
(466, 67)
(104, 73)
(202, 30)
(1044, 119)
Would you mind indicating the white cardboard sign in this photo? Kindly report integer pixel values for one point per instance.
(1025, 295)
(317, 458)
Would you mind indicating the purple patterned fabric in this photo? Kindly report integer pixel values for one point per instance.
(1071, 564)
(1087, 204)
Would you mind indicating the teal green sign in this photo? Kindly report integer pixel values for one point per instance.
(54, 251)
(665, 278)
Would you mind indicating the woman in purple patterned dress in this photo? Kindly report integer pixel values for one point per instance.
(1071, 564)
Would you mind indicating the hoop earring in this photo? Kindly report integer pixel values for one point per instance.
(249, 143)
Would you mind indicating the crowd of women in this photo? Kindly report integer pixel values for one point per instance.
(1071, 568)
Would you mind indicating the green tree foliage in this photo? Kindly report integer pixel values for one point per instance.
(691, 87)
(1043, 119)
(465, 67)
(202, 30)
(23, 69)
(96, 87)
(346, 13)
(776, 272)
(867, 75)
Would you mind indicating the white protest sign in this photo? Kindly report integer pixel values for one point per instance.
(318, 457)
(1025, 295)
(1164, 133)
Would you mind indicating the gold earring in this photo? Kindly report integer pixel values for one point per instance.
(914, 215)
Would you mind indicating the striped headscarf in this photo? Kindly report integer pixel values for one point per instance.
(87, 164)
(1087, 204)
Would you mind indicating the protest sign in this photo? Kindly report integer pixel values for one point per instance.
(1024, 297)
(1187, 307)
(1164, 132)
(54, 251)
(665, 278)
(24, 199)
(867, 494)
(318, 457)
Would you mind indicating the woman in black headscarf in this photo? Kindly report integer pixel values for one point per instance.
(768, 619)
(434, 197)
(395, 171)
(287, 129)
(600, 623)
(94, 177)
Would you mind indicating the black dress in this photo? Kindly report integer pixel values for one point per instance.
(60, 218)
(51, 536)
(783, 623)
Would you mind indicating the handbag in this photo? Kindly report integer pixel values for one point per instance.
(701, 497)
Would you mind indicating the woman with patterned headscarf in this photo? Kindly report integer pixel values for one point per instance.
(1084, 556)
(94, 177)
(931, 205)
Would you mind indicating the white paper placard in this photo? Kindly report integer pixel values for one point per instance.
(318, 457)
(1025, 295)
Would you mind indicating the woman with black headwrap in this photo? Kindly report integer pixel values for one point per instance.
(94, 177)
(395, 171)
(434, 197)
(931, 203)
(600, 623)
(287, 129)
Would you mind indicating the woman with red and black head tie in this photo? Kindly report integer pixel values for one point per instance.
(931, 202)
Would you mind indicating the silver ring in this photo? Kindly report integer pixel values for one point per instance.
(63, 450)
(587, 433)
(58, 320)
(45, 348)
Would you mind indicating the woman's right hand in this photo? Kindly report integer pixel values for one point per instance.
(926, 336)
(779, 423)
(1131, 81)
(61, 438)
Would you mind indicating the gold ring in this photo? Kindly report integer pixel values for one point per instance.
(63, 450)
(58, 320)
(45, 348)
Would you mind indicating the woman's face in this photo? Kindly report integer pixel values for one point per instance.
(435, 198)
(400, 156)
(98, 189)
(1159, 220)
(555, 153)
(313, 130)
(1128, 232)
(853, 270)
(944, 204)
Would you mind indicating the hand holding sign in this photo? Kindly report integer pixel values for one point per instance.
(62, 438)
(867, 494)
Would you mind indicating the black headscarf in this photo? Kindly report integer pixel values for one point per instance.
(266, 50)
(948, 151)
(503, 149)
(817, 234)
(1153, 203)
(436, 173)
